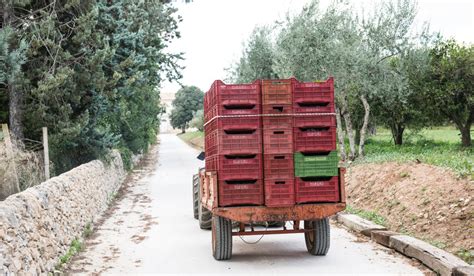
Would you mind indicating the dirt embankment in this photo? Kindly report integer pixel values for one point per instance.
(424, 201)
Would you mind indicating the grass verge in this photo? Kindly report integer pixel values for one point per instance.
(439, 146)
(443, 154)
(369, 215)
(193, 138)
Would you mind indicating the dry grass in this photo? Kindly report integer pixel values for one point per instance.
(28, 165)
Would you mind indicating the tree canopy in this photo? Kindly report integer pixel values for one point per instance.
(386, 71)
(90, 71)
(187, 102)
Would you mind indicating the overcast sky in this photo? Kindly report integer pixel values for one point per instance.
(213, 30)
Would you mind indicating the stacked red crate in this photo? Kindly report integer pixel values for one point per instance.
(314, 132)
(320, 189)
(278, 142)
(233, 141)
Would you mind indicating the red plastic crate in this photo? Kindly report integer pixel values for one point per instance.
(230, 142)
(279, 192)
(314, 139)
(313, 97)
(240, 192)
(313, 107)
(312, 190)
(236, 166)
(232, 99)
(314, 120)
(278, 166)
(217, 110)
(209, 100)
(277, 91)
(277, 141)
(233, 123)
(277, 122)
(277, 109)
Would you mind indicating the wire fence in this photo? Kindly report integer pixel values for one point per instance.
(22, 163)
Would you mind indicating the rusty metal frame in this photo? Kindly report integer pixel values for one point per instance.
(250, 214)
(270, 232)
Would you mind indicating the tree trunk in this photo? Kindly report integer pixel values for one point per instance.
(183, 129)
(357, 135)
(466, 131)
(14, 96)
(340, 135)
(397, 134)
(466, 136)
(363, 130)
(15, 112)
(350, 132)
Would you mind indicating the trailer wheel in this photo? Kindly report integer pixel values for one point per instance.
(317, 240)
(196, 196)
(221, 238)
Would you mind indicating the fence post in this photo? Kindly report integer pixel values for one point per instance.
(46, 153)
(10, 155)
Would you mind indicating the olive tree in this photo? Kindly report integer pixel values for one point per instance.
(448, 85)
(257, 58)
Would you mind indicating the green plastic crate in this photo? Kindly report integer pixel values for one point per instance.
(316, 165)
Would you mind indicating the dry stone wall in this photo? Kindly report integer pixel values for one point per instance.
(38, 225)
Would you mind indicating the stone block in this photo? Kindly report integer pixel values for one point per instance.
(382, 237)
(437, 259)
(463, 271)
(359, 224)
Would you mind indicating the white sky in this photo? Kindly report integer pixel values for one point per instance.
(212, 31)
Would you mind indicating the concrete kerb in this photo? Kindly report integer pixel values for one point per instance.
(359, 224)
(436, 259)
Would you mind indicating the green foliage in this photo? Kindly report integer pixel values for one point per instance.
(12, 57)
(443, 151)
(75, 247)
(257, 58)
(466, 255)
(188, 100)
(194, 138)
(398, 105)
(448, 84)
(88, 230)
(91, 74)
(370, 215)
(408, 80)
(198, 120)
(126, 155)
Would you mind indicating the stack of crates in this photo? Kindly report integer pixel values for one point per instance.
(272, 142)
(277, 107)
(315, 157)
(233, 142)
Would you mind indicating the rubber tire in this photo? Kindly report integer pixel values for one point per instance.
(318, 239)
(196, 196)
(204, 215)
(221, 238)
(205, 218)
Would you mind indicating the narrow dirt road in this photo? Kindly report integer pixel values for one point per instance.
(151, 229)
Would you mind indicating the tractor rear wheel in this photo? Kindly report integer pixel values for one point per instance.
(221, 238)
(196, 196)
(205, 217)
(317, 239)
